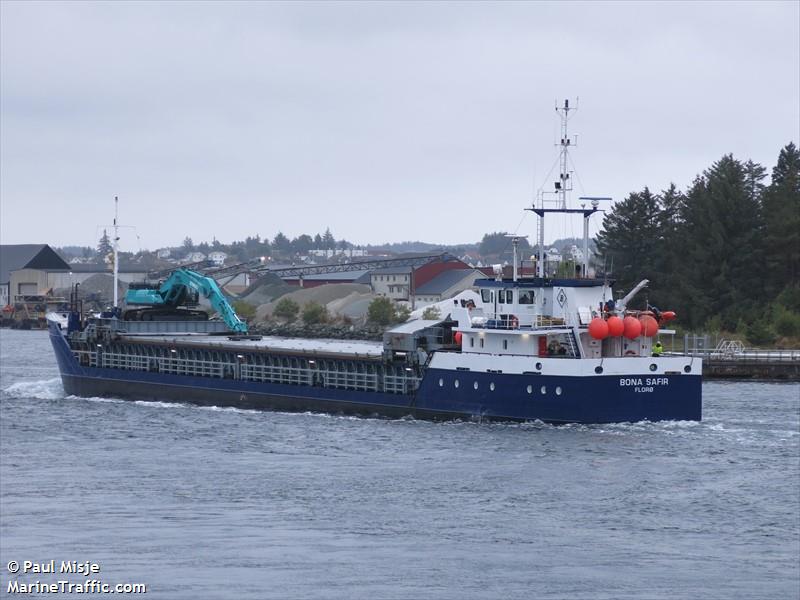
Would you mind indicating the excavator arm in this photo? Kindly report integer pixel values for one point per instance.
(173, 292)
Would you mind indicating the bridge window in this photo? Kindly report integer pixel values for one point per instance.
(501, 296)
(509, 296)
(526, 297)
(486, 295)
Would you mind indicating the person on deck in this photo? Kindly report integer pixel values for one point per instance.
(658, 348)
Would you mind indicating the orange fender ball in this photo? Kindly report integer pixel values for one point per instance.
(632, 328)
(615, 326)
(598, 328)
(649, 326)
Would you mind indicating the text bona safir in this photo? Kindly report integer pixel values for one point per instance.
(649, 381)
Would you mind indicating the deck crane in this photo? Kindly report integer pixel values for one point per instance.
(181, 289)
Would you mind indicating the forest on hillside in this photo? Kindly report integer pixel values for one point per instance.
(724, 254)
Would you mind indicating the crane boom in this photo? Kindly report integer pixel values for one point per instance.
(183, 284)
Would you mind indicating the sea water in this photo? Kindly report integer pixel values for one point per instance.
(224, 503)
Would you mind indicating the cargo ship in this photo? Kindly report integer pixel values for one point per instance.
(526, 348)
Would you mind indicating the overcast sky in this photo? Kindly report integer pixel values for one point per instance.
(382, 121)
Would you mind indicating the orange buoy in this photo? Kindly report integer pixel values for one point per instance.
(631, 328)
(615, 326)
(598, 328)
(667, 315)
(649, 325)
(458, 337)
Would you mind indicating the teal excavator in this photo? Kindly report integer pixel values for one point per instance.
(175, 298)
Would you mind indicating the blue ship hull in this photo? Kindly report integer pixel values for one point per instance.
(497, 396)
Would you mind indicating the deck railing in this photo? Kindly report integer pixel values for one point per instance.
(404, 383)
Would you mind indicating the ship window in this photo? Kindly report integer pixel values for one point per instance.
(544, 389)
(441, 382)
(505, 344)
(485, 295)
(491, 386)
(538, 366)
(530, 389)
(481, 342)
(455, 383)
(501, 296)
(510, 296)
(653, 367)
(687, 369)
(475, 385)
(558, 391)
(526, 297)
(471, 342)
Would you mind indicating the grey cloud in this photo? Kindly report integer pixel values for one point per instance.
(384, 121)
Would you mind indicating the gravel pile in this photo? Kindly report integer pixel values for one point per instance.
(268, 288)
(99, 285)
(332, 295)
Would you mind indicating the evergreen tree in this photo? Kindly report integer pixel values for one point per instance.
(782, 222)
(328, 241)
(281, 244)
(188, 244)
(630, 238)
(754, 174)
(721, 246)
(498, 244)
(318, 242)
(302, 244)
(104, 247)
(669, 242)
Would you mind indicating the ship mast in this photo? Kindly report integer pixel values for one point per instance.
(562, 189)
(564, 185)
(116, 252)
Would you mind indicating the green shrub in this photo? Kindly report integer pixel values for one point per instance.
(245, 310)
(287, 309)
(401, 314)
(786, 322)
(790, 298)
(381, 311)
(432, 313)
(714, 324)
(314, 312)
(759, 333)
